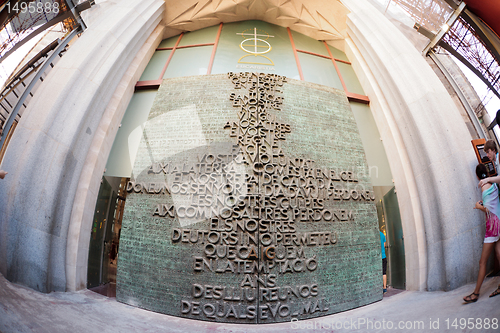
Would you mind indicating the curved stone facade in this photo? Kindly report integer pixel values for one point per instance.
(61, 144)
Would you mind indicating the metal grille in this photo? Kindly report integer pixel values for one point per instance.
(465, 41)
(14, 89)
(462, 39)
(21, 18)
(431, 14)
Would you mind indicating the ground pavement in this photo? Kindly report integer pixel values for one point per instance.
(24, 310)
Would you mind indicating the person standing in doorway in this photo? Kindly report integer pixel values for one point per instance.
(384, 261)
(490, 205)
(491, 150)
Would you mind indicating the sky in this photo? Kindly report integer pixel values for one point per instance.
(11, 62)
(490, 100)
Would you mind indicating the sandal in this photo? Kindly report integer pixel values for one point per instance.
(469, 299)
(496, 292)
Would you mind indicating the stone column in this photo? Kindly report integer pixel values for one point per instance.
(429, 150)
(47, 155)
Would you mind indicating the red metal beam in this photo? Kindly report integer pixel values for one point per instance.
(340, 60)
(170, 57)
(314, 54)
(336, 67)
(209, 70)
(144, 85)
(183, 46)
(352, 97)
(296, 55)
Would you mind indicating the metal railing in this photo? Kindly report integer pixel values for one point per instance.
(20, 88)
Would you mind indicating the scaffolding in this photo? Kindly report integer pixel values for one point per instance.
(20, 20)
(462, 35)
(464, 43)
(431, 14)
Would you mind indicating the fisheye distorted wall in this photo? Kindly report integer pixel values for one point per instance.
(250, 199)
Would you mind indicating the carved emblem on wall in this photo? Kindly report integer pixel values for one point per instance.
(256, 44)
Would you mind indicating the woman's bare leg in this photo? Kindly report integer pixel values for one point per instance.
(497, 250)
(487, 248)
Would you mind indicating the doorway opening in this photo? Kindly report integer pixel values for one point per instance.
(390, 225)
(105, 236)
